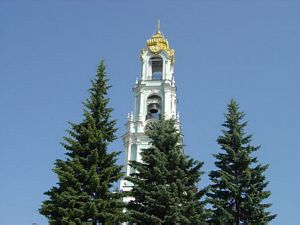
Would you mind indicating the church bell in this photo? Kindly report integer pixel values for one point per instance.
(154, 107)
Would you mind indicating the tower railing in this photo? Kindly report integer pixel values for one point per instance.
(156, 116)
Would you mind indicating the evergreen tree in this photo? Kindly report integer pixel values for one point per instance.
(165, 184)
(237, 193)
(86, 176)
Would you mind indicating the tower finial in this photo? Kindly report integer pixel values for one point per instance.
(158, 27)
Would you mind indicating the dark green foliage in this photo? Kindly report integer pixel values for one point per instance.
(165, 186)
(237, 192)
(86, 176)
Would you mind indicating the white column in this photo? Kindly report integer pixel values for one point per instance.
(142, 105)
(167, 102)
(128, 158)
(166, 70)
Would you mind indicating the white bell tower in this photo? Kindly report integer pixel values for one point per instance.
(154, 96)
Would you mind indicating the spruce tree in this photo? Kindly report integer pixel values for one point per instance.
(165, 182)
(237, 192)
(85, 178)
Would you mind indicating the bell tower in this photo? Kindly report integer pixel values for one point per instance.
(154, 96)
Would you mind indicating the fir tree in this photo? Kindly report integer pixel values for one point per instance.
(86, 176)
(165, 184)
(237, 193)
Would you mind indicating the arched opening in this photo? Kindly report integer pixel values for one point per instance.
(157, 68)
(153, 107)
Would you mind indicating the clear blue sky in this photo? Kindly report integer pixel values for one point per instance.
(247, 50)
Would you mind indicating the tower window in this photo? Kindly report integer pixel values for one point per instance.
(153, 107)
(157, 68)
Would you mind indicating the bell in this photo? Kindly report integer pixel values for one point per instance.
(154, 107)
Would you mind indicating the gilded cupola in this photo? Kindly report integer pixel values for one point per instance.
(158, 43)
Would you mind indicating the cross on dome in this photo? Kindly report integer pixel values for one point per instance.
(158, 27)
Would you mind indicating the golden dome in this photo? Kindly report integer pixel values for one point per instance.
(158, 43)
